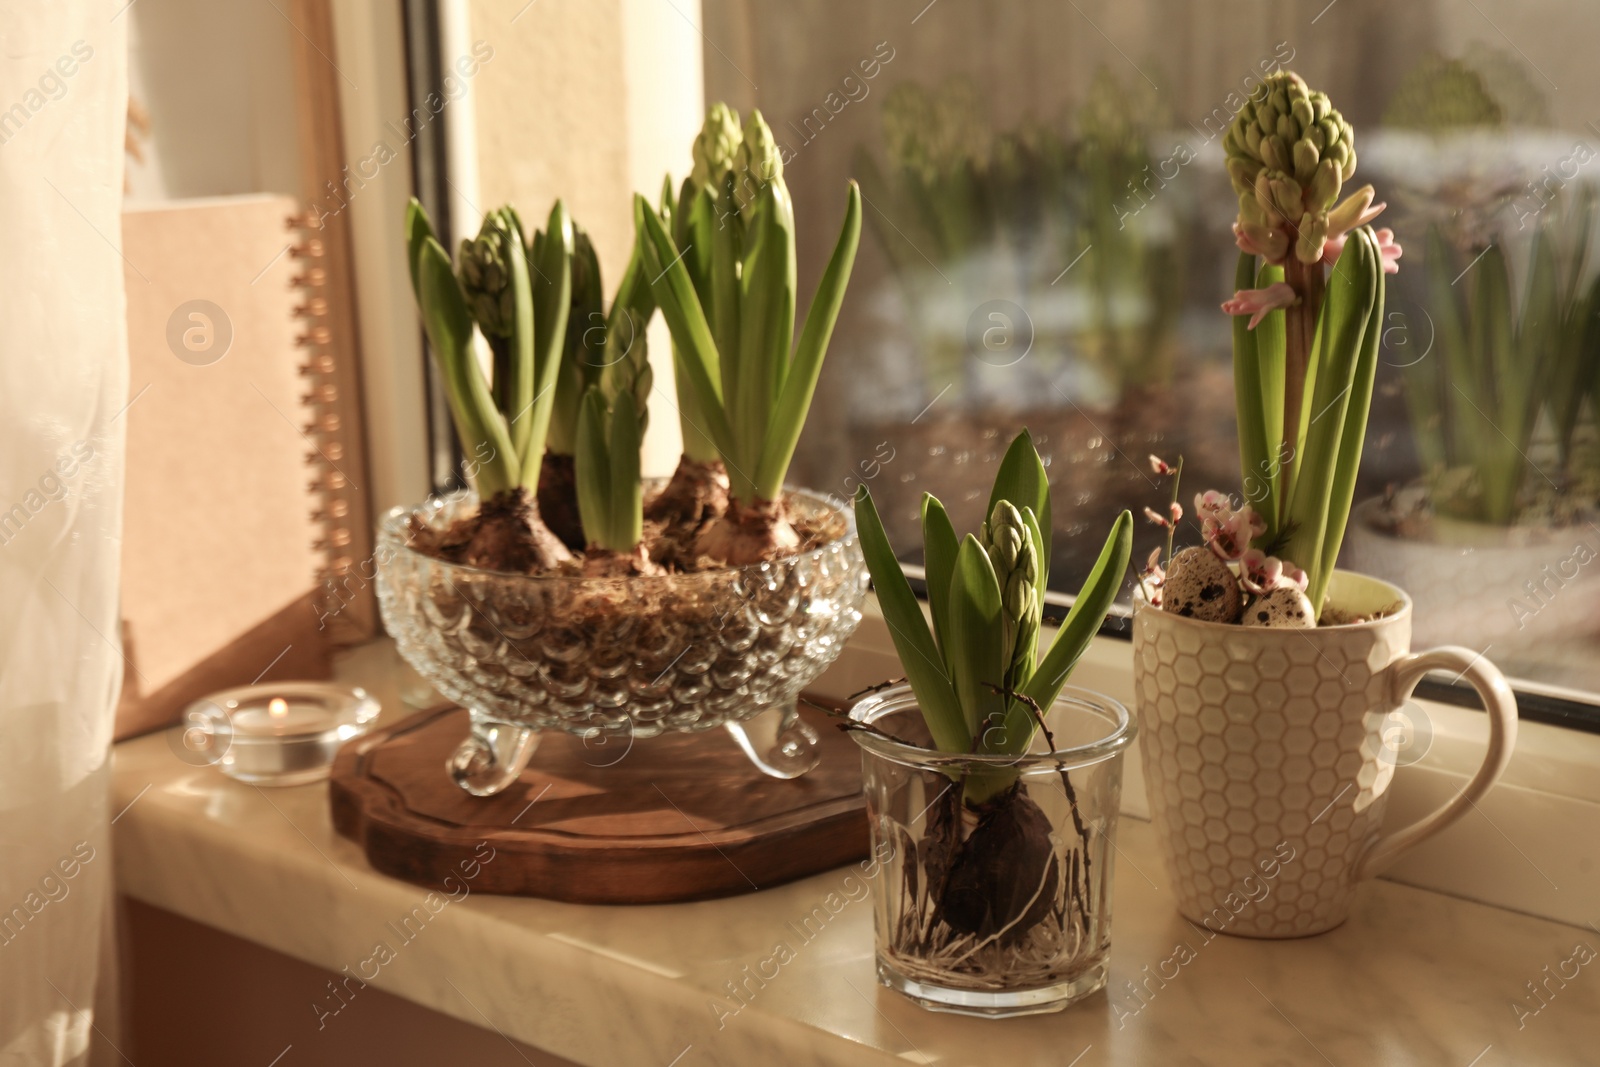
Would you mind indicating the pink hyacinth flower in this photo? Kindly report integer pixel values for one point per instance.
(1389, 250)
(1258, 303)
(1247, 246)
(1354, 211)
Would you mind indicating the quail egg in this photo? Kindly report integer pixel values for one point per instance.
(1282, 608)
(1200, 586)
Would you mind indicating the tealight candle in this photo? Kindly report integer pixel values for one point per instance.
(276, 733)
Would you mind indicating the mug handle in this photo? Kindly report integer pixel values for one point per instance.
(1498, 701)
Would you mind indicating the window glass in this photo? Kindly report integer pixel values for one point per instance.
(1048, 243)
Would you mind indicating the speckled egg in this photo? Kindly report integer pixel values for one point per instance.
(1282, 608)
(1200, 586)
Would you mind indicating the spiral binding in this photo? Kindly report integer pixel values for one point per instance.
(333, 490)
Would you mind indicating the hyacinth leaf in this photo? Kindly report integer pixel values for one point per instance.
(551, 264)
(418, 230)
(1567, 385)
(1491, 306)
(1353, 290)
(1581, 226)
(675, 220)
(698, 220)
(1266, 492)
(1022, 480)
(1250, 395)
(449, 326)
(633, 291)
(1426, 375)
(1492, 348)
(667, 206)
(592, 468)
(1296, 449)
(800, 383)
(1450, 325)
(727, 233)
(1580, 361)
(977, 658)
(626, 504)
(1518, 369)
(1352, 437)
(694, 350)
(1533, 366)
(1538, 340)
(1591, 346)
(606, 468)
(518, 394)
(919, 657)
(766, 316)
(697, 442)
(939, 548)
(1083, 621)
(1572, 358)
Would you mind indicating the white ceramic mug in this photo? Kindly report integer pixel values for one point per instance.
(1268, 756)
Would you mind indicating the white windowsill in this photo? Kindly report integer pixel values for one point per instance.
(645, 985)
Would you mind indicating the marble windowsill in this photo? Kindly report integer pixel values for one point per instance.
(1413, 978)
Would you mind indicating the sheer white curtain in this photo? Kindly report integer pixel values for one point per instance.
(63, 381)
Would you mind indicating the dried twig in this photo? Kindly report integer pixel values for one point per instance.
(875, 688)
(1031, 704)
(849, 725)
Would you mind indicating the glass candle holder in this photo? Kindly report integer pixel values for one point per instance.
(995, 897)
(275, 733)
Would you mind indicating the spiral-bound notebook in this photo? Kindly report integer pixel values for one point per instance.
(244, 521)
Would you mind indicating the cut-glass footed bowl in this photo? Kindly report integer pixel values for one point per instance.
(632, 657)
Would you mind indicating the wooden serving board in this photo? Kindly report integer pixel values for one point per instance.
(670, 818)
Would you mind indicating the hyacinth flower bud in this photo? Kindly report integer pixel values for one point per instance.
(1011, 551)
(1290, 151)
(485, 275)
(716, 149)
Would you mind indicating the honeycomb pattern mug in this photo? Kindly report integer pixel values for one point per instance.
(1267, 756)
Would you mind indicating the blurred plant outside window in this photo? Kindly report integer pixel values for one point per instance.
(1049, 243)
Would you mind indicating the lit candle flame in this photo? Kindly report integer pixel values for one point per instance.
(277, 707)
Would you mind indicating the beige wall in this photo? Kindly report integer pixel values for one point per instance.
(590, 101)
(217, 83)
(552, 110)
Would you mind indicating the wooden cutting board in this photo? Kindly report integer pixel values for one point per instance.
(670, 818)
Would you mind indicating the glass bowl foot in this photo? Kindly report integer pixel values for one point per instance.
(492, 756)
(778, 741)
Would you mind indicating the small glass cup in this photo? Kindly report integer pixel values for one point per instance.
(995, 899)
